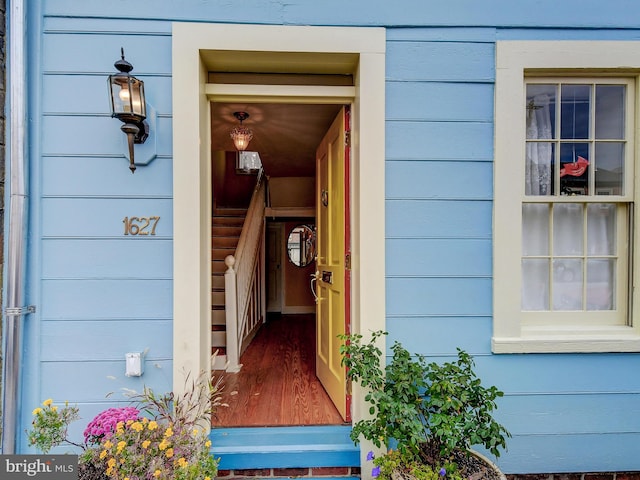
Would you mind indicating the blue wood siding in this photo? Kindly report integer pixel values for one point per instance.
(100, 294)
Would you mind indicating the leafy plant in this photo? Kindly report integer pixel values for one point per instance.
(395, 462)
(428, 410)
(50, 425)
(162, 437)
(459, 409)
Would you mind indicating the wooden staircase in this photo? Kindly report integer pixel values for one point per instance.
(226, 226)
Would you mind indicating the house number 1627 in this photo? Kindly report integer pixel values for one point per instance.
(140, 225)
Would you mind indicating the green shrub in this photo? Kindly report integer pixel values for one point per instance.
(427, 410)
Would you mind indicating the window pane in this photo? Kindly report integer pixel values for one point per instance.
(541, 111)
(601, 229)
(535, 229)
(567, 229)
(609, 168)
(574, 113)
(567, 284)
(535, 284)
(574, 169)
(538, 168)
(600, 284)
(610, 111)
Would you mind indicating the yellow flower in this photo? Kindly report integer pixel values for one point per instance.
(54, 408)
(121, 445)
(207, 478)
(163, 445)
(129, 422)
(109, 471)
(145, 420)
(111, 462)
(103, 454)
(168, 432)
(152, 426)
(195, 432)
(157, 473)
(169, 452)
(126, 478)
(36, 411)
(47, 402)
(108, 444)
(146, 444)
(182, 462)
(137, 426)
(207, 443)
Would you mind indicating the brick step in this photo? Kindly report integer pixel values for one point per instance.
(284, 447)
(307, 473)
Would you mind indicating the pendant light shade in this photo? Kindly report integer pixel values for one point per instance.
(241, 135)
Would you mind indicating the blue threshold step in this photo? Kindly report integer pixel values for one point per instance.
(284, 447)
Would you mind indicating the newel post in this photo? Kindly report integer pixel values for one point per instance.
(231, 313)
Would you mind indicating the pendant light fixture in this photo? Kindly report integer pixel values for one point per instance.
(241, 135)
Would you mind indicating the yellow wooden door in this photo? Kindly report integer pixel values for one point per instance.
(332, 286)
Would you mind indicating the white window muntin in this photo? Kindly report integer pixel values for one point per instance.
(516, 61)
(591, 140)
(580, 314)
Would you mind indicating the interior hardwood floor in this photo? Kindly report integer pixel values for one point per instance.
(277, 384)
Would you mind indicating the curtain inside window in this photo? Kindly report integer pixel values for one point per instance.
(538, 156)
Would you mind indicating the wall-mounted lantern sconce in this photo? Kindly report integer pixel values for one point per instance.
(128, 105)
(241, 135)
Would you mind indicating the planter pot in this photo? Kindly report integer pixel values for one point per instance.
(496, 472)
(474, 467)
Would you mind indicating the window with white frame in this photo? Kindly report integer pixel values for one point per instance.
(564, 197)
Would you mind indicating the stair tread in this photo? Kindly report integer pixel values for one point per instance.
(273, 436)
(284, 447)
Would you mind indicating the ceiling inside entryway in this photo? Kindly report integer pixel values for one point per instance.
(285, 135)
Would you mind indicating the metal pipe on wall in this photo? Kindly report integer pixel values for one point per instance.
(15, 262)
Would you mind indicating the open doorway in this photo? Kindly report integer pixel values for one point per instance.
(279, 382)
(200, 48)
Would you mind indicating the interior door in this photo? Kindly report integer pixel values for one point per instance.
(333, 280)
(274, 267)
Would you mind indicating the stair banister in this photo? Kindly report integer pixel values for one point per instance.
(244, 305)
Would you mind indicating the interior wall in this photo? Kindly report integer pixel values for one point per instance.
(292, 191)
(230, 189)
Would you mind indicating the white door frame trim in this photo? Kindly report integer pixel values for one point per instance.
(194, 49)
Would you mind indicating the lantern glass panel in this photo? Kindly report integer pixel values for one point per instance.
(137, 97)
(127, 96)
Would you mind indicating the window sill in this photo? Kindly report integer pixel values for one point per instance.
(564, 340)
